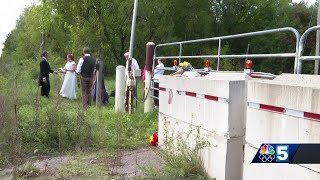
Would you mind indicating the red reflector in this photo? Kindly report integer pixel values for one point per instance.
(272, 108)
(254, 75)
(213, 98)
(162, 89)
(191, 94)
(312, 116)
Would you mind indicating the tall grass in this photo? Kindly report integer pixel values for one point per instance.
(182, 159)
(32, 124)
(59, 125)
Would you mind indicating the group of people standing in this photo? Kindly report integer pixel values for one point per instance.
(86, 68)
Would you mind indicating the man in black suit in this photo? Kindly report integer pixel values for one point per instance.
(45, 70)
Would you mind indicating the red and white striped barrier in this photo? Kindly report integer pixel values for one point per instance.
(196, 95)
(286, 111)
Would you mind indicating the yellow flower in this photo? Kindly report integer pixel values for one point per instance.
(151, 139)
(184, 64)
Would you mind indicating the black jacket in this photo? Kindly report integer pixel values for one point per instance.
(45, 70)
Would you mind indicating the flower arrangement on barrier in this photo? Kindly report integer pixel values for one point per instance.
(184, 66)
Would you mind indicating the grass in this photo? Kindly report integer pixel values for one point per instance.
(27, 171)
(33, 125)
(60, 125)
(84, 166)
(182, 161)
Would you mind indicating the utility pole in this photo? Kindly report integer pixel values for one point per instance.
(316, 63)
(130, 88)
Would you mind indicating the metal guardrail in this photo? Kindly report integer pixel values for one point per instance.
(219, 39)
(219, 56)
(298, 54)
(302, 42)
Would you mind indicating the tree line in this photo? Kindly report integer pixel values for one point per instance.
(105, 27)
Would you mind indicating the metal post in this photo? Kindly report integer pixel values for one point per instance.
(297, 53)
(219, 49)
(247, 52)
(316, 63)
(180, 53)
(133, 26)
(301, 49)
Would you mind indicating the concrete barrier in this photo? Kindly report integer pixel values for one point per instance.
(210, 108)
(284, 110)
(237, 114)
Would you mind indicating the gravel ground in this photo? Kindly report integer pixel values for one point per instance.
(128, 166)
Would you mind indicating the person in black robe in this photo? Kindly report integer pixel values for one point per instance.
(104, 92)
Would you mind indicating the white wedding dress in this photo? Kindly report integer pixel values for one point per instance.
(68, 89)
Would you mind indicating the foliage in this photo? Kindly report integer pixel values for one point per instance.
(182, 159)
(27, 171)
(57, 124)
(29, 122)
(105, 27)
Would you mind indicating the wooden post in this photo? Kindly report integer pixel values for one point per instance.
(148, 104)
(129, 89)
(42, 45)
(99, 83)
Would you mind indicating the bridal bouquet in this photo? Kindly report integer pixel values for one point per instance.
(62, 70)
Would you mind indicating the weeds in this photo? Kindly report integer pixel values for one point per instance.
(27, 171)
(31, 123)
(83, 167)
(182, 159)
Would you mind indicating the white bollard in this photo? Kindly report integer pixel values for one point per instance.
(148, 104)
(120, 89)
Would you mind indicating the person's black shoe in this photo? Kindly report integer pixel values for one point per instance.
(113, 94)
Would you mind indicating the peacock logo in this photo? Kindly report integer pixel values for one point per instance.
(267, 153)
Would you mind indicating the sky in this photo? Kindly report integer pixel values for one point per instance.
(10, 10)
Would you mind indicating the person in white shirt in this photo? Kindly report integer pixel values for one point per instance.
(86, 68)
(134, 63)
(134, 66)
(157, 73)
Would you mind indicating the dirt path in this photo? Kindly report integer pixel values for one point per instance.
(132, 162)
(127, 165)
(46, 167)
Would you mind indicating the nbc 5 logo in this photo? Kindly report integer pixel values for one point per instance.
(282, 153)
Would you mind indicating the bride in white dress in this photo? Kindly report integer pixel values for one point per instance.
(68, 89)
